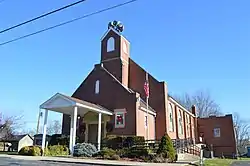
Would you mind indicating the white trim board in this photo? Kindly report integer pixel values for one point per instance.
(94, 109)
(184, 109)
(149, 111)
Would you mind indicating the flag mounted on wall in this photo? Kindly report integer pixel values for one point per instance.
(146, 86)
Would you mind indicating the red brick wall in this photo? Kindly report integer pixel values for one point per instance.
(116, 62)
(226, 142)
(157, 99)
(187, 125)
(112, 96)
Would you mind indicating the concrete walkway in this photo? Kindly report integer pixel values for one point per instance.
(92, 161)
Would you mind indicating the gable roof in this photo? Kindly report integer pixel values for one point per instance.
(97, 106)
(17, 137)
(128, 89)
(113, 30)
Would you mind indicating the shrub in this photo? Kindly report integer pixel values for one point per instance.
(123, 152)
(24, 150)
(118, 142)
(56, 150)
(113, 141)
(84, 150)
(31, 151)
(105, 153)
(115, 157)
(133, 140)
(159, 159)
(137, 152)
(166, 148)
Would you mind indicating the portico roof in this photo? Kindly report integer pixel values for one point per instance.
(65, 104)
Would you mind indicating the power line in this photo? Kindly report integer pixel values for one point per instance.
(67, 22)
(41, 16)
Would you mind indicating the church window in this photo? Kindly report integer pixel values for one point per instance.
(110, 44)
(180, 123)
(119, 120)
(97, 87)
(171, 119)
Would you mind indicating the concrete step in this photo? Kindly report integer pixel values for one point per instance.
(187, 157)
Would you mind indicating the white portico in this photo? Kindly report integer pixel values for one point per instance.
(73, 107)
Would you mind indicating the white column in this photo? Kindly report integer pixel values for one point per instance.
(74, 127)
(44, 129)
(71, 133)
(87, 132)
(99, 131)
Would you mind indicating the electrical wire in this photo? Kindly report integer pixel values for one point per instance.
(41, 16)
(70, 21)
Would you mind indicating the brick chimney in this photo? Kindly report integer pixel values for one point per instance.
(193, 108)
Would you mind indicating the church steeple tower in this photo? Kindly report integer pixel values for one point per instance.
(115, 52)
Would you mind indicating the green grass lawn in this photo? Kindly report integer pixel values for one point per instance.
(218, 162)
(222, 162)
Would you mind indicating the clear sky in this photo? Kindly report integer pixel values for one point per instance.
(192, 45)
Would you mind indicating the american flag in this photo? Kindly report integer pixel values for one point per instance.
(146, 86)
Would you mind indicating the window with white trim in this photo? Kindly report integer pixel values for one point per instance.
(119, 119)
(111, 44)
(180, 122)
(171, 119)
(187, 124)
(217, 132)
(97, 87)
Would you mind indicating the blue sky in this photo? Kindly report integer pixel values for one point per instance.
(192, 45)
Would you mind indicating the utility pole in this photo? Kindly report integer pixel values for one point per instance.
(40, 114)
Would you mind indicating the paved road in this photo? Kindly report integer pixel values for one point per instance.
(241, 163)
(5, 161)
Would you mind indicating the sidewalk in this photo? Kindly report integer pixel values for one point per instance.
(92, 161)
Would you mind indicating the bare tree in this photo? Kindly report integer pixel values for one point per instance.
(31, 132)
(242, 133)
(204, 103)
(54, 128)
(9, 125)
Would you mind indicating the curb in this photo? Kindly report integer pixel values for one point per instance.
(82, 162)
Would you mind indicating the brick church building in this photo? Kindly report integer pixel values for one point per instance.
(117, 84)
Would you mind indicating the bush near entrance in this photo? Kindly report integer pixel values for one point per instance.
(84, 150)
(166, 148)
(31, 151)
(117, 142)
(135, 147)
(56, 150)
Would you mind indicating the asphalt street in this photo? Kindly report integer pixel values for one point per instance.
(5, 161)
(241, 163)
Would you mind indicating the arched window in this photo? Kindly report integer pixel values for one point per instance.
(110, 44)
(180, 123)
(97, 87)
(171, 119)
(187, 124)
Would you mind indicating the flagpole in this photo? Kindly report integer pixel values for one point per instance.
(147, 121)
(147, 105)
